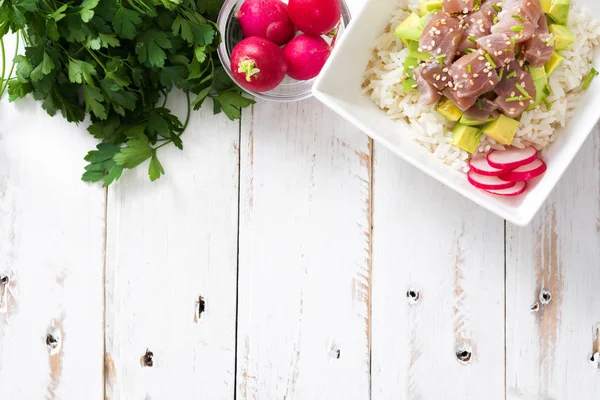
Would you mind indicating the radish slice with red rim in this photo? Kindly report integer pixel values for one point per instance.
(516, 190)
(487, 182)
(482, 167)
(511, 158)
(526, 172)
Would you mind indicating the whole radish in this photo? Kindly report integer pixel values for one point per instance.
(268, 19)
(258, 64)
(315, 17)
(305, 56)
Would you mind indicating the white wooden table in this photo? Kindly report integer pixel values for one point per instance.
(285, 257)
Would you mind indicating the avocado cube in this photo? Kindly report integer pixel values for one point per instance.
(427, 6)
(410, 63)
(472, 122)
(564, 36)
(541, 88)
(413, 51)
(537, 73)
(502, 130)
(554, 63)
(546, 5)
(559, 11)
(411, 28)
(466, 137)
(409, 85)
(448, 110)
(405, 42)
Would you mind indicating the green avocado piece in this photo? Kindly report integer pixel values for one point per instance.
(537, 73)
(554, 63)
(559, 11)
(466, 137)
(471, 122)
(411, 28)
(541, 88)
(409, 85)
(564, 36)
(502, 130)
(427, 6)
(413, 51)
(448, 110)
(546, 5)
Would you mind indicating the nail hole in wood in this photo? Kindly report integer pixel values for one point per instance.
(4, 280)
(413, 296)
(148, 359)
(545, 297)
(338, 353)
(595, 360)
(201, 306)
(535, 307)
(51, 341)
(464, 354)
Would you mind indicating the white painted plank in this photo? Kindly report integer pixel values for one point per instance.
(169, 243)
(304, 255)
(429, 239)
(548, 351)
(52, 253)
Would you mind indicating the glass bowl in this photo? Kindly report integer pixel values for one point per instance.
(290, 89)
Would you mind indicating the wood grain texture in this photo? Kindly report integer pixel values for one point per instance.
(171, 243)
(305, 244)
(51, 259)
(449, 254)
(549, 348)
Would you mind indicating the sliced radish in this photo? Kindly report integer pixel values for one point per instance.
(482, 167)
(488, 182)
(526, 172)
(511, 158)
(516, 190)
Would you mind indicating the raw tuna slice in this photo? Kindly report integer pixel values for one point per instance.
(473, 75)
(463, 103)
(428, 94)
(482, 110)
(538, 50)
(458, 6)
(500, 48)
(435, 74)
(441, 37)
(479, 24)
(516, 91)
(518, 19)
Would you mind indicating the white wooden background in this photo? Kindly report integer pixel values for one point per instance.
(285, 257)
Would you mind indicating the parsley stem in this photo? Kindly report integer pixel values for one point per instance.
(189, 110)
(3, 50)
(96, 58)
(12, 68)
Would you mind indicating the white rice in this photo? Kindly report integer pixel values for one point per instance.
(538, 127)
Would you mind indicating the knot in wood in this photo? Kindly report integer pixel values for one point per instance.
(413, 296)
(148, 359)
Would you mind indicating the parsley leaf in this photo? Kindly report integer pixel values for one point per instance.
(137, 151)
(151, 46)
(93, 99)
(230, 103)
(87, 9)
(125, 21)
(80, 71)
(155, 169)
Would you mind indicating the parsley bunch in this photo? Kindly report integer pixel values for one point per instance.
(117, 61)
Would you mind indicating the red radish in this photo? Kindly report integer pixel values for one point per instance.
(305, 56)
(268, 19)
(526, 172)
(482, 167)
(315, 17)
(516, 190)
(511, 158)
(488, 182)
(258, 64)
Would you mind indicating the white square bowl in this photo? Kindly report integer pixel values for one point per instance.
(339, 87)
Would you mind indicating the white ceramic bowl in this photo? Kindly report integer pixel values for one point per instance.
(339, 87)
